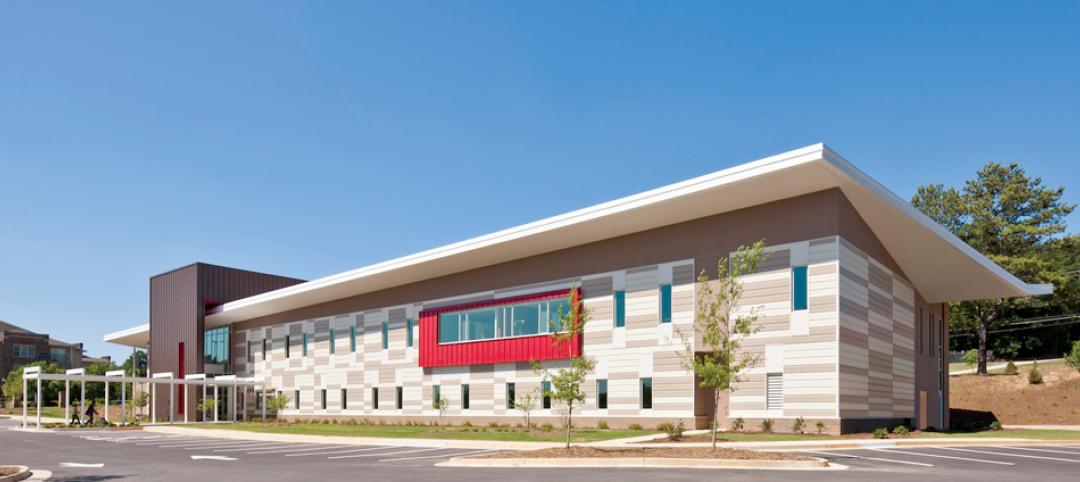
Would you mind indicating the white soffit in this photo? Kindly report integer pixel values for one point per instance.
(941, 266)
(138, 336)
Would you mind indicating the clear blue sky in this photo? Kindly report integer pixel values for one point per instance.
(309, 138)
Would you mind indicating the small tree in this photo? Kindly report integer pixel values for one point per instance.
(566, 382)
(970, 358)
(440, 404)
(526, 404)
(1073, 358)
(722, 325)
(139, 400)
(206, 405)
(277, 403)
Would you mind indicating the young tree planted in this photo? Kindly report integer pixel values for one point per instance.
(440, 404)
(526, 404)
(721, 324)
(566, 382)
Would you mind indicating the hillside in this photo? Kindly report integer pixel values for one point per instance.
(1012, 400)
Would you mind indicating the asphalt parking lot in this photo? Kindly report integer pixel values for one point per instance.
(135, 455)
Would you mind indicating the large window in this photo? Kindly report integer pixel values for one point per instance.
(646, 393)
(799, 288)
(24, 351)
(216, 346)
(601, 394)
(520, 319)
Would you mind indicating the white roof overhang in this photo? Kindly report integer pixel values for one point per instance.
(138, 336)
(942, 267)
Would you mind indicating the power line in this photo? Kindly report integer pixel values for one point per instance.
(1063, 320)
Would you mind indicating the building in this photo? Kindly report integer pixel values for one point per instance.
(852, 323)
(19, 346)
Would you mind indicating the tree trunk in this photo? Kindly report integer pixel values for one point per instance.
(715, 415)
(569, 415)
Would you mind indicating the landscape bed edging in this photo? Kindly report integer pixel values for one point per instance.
(22, 473)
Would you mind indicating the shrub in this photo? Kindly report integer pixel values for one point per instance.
(995, 426)
(766, 425)
(1073, 358)
(798, 425)
(881, 432)
(493, 424)
(546, 427)
(633, 426)
(602, 425)
(970, 358)
(467, 423)
(820, 427)
(737, 424)
(674, 431)
(1010, 368)
(1035, 376)
(901, 431)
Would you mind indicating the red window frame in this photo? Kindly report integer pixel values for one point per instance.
(498, 350)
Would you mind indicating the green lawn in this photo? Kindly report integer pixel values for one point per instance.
(456, 432)
(1025, 434)
(54, 412)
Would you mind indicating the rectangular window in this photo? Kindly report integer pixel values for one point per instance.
(520, 319)
(465, 396)
(545, 388)
(24, 351)
(774, 391)
(58, 355)
(408, 332)
(799, 287)
(646, 393)
(258, 400)
(344, 399)
(375, 398)
(288, 348)
(322, 398)
(436, 394)
(620, 309)
(352, 339)
(250, 352)
(399, 399)
(601, 394)
(385, 335)
(264, 349)
(333, 342)
(665, 303)
(304, 346)
(511, 395)
(296, 399)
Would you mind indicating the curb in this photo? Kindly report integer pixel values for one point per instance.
(23, 473)
(348, 440)
(639, 462)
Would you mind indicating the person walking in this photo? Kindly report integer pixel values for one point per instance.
(90, 412)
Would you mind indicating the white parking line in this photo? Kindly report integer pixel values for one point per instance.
(1070, 447)
(183, 443)
(341, 451)
(389, 453)
(440, 456)
(921, 454)
(276, 445)
(222, 445)
(308, 449)
(876, 459)
(986, 452)
(1066, 452)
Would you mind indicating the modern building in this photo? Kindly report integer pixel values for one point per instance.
(852, 325)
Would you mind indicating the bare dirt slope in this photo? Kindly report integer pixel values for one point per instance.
(1012, 400)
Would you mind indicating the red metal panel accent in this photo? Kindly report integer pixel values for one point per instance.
(518, 349)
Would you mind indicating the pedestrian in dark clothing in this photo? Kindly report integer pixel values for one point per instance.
(90, 412)
(75, 417)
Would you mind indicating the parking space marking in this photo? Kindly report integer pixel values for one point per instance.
(366, 449)
(922, 454)
(986, 452)
(294, 450)
(389, 453)
(1066, 452)
(184, 443)
(459, 454)
(277, 445)
(876, 459)
(221, 445)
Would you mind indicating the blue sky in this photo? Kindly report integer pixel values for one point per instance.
(309, 138)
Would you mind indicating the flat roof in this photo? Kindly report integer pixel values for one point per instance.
(940, 265)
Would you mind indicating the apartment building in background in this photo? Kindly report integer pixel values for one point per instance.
(19, 346)
(852, 325)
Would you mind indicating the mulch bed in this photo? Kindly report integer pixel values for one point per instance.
(8, 471)
(664, 452)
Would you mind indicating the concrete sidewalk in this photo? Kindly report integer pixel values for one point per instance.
(344, 440)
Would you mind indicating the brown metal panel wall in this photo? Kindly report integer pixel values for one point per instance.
(173, 308)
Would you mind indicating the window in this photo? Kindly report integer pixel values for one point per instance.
(352, 339)
(250, 352)
(296, 399)
(385, 335)
(344, 399)
(511, 396)
(258, 400)
(398, 397)
(408, 332)
(520, 319)
(774, 391)
(375, 398)
(798, 288)
(216, 346)
(436, 395)
(58, 355)
(24, 351)
(601, 394)
(264, 349)
(322, 395)
(620, 309)
(545, 388)
(465, 396)
(288, 349)
(333, 342)
(304, 345)
(646, 393)
(665, 303)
